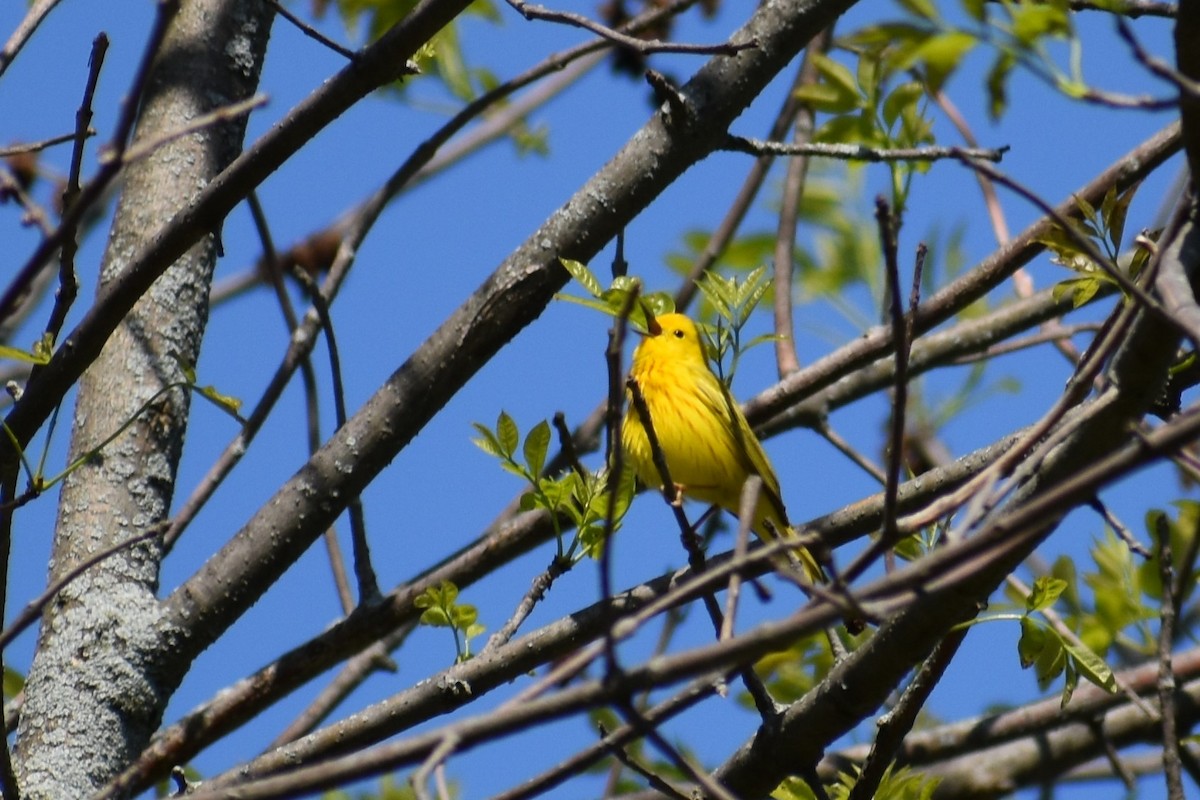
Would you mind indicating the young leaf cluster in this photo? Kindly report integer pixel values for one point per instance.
(441, 610)
(580, 497)
(1050, 654)
(897, 784)
(615, 300)
(1103, 229)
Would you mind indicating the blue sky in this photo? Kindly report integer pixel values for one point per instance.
(435, 245)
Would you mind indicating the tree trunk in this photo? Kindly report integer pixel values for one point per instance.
(99, 681)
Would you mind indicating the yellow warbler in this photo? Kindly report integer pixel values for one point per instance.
(708, 445)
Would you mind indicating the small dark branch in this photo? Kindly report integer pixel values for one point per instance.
(1112, 756)
(541, 584)
(1122, 531)
(728, 227)
(692, 544)
(308, 377)
(787, 360)
(896, 724)
(33, 214)
(900, 330)
(33, 610)
(37, 12)
(619, 737)
(1172, 768)
(368, 584)
(1056, 333)
(35, 147)
(312, 32)
(68, 283)
(376, 658)
(620, 267)
(656, 781)
(643, 46)
(1130, 8)
(1182, 242)
(707, 784)
(1083, 242)
(567, 443)
(854, 152)
(614, 411)
(826, 432)
(13, 295)
(668, 93)
(1159, 67)
(751, 490)
(215, 117)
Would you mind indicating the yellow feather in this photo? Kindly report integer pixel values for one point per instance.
(708, 445)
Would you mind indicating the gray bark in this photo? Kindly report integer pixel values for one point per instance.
(96, 689)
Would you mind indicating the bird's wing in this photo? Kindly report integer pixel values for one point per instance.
(749, 450)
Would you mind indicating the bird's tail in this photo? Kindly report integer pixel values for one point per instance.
(802, 558)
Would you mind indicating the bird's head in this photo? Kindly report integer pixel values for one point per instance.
(671, 336)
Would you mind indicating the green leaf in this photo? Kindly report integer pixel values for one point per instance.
(537, 442)
(21, 355)
(507, 434)
(1032, 642)
(941, 55)
(1091, 666)
(823, 97)
(903, 96)
(1051, 661)
(1044, 592)
(487, 441)
(921, 8)
(435, 617)
(463, 616)
(1031, 21)
(582, 275)
(227, 402)
(1115, 217)
(14, 682)
(836, 74)
(997, 84)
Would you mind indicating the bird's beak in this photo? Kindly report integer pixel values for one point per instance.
(652, 326)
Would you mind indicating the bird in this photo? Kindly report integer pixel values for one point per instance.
(709, 447)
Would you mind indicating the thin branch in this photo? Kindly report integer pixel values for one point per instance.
(312, 32)
(896, 724)
(34, 147)
(68, 283)
(855, 152)
(1166, 675)
(37, 13)
(1159, 67)
(364, 572)
(214, 117)
(645, 46)
(656, 781)
(108, 171)
(786, 358)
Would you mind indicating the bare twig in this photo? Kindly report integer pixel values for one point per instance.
(364, 572)
(855, 152)
(312, 32)
(532, 11)
(214, 117)
(34, 147)
(37, 13)
(1166, 675)
(896, 724)
(786, 358)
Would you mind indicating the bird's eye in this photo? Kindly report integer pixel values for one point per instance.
(678, 333)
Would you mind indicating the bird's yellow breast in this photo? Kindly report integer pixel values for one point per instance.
(694, 431)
